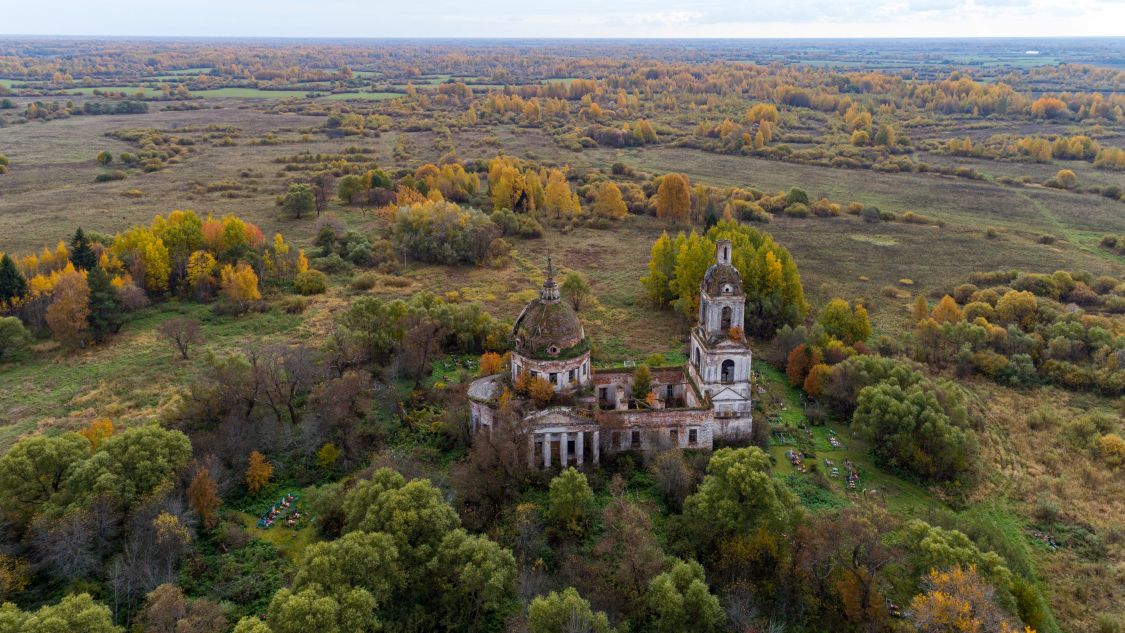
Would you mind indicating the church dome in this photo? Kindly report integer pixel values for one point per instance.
(722, 279)
(548, 327)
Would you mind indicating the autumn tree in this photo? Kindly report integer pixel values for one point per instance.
(608, 202)
(183, 332)
(258, 472)
(70, 307)
(97, 432)
(1066, 179)
(921, 309)
(560, 200)
(239, 285)
(540, 390)
(947, 311)
(490, 363)
(958, 600)
(839, 320)
(673, 199)
(203, 496)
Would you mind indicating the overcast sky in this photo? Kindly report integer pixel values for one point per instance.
(567, 18)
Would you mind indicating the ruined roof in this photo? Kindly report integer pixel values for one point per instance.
(719, 276)
(485, 389)
(548, 329)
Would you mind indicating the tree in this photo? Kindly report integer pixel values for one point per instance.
(203, 495)
(560, 200)
(921, 309)
(77, 612)
(97, 432)
(258, 472)
(1067, 179)
(575, 289)
(474, 579)
(679, 600)
(693, 257)
(183, 332)
(565, 612)
(200, 275)
(673, 199)
(70, 307)
(37, 468)
(1019, 307)
(350, 189)
(661, 271)
(322, 190)
(367, 560)
(130, 464)
(299, 200)
(12, 284)
(311, 609)
(910, 429)
(570, 501)
(886, 136)
(14, 337)
(413, 513)
(838, 320)
(739, 496)
(541, 390)
(104, 158)
(608, 202)
(168, 610)
(81, 253)
(421, 343)
(105, 305)
(239, 284)
(947, 311)
(490, 363)
(958, 600)
(642, 382)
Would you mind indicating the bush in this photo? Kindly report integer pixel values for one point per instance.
(311, 282)
(797, 210)
(364, 281)
(332, 264)
(110, 176)
(292, 304)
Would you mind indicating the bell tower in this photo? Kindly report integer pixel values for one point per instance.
(720, 362)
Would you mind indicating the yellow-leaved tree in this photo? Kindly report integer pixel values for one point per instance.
(258, 472)
(561, 201)
(608, 202)
(673, 199)
(239, 284)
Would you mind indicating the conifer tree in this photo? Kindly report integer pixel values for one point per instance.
(81, 253)
(12, 283)
(105, 315)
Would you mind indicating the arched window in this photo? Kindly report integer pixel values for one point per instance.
(697, 359)
(726, 318)
(728, 371)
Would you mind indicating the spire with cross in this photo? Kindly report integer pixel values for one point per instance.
(550, 291)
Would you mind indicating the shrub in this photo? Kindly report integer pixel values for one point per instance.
(311, 282)
(292, 304)
(364, 281)
(110, 176)
(797, 210)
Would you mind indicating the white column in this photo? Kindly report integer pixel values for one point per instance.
(564, 454)
(579, 446)
(597, 446)
(546, 450)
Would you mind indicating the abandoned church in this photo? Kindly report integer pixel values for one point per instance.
(595, 412)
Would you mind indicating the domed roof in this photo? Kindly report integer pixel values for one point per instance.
(548, 327)
(722, 279)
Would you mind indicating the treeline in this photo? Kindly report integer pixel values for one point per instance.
(83, 290)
